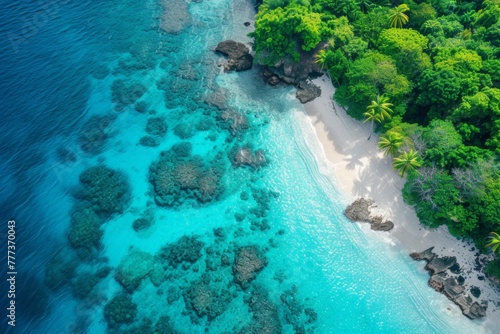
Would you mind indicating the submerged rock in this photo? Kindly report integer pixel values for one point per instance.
(234, 121)
(133, 269)
(239, 57)
(186, 249)
(246, 157)
(95, 133)
(126, 94)
(120, 310)
(205, 299)
(175, 16)
(265, 317)
(248, 262)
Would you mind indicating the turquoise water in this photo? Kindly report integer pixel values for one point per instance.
(323, 274)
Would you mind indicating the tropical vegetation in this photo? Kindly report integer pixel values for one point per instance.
(437, 63)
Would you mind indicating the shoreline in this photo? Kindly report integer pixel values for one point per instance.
(361, 170)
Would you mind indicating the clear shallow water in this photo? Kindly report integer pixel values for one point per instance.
(61, 75)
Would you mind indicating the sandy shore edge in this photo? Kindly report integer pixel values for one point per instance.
(361, 170)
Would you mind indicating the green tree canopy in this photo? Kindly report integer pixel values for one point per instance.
(371, 75)
(284, 32)
(406, 47)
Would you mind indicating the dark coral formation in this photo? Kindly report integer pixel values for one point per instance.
(248, 262)
(142, 224)
(205, 299)
(120, 310)
(85, 233)
(265, 319)
(175, 16)
(443, 281)
(149, 141)
(94, 134)
(84, 284)
(184, 130)
(359, 211)
(239, 57)
(141, 107)
(106, 190)
(59, 272)
(185, 250)
(178, 177)
(296, 314)
(124, 94)
(263, 199)
(156, 126)
(133, 269)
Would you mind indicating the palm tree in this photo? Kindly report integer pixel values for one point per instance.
(406, 161)
(378, 110)
(494, 242)
(371, 116)
(390, 142)
(321, 58)
(398, 17)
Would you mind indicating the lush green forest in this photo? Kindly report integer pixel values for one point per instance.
(427, 74)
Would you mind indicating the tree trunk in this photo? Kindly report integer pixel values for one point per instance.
(371, 129)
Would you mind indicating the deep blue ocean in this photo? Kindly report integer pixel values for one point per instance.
(119, 142)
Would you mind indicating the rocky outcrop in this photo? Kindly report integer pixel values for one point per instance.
(293, 72)
(297, 73)
(248, 262)
(359, 211)
(442, 281)
(239, 57)
(307, 92)
(440, 264)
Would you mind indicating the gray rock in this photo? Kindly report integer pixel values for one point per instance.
(452, 289)
(441, 282)
(307, 92)
(359, 210)
(476, 311)
(426, 255)
(382, 226)
(437, 282)
(239, 57)
(440, 264)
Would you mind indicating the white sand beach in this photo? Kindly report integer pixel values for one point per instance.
(361, 170)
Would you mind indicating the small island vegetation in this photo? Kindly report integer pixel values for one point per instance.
(435, 65)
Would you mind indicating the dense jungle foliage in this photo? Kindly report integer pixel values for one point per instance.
(435, 68)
